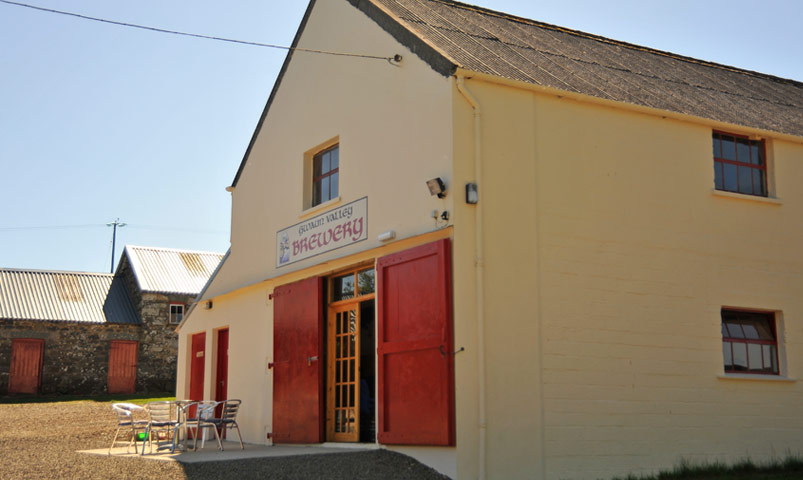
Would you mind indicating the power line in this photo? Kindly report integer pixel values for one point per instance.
(51, 227)
(395, 58)
(99, 225)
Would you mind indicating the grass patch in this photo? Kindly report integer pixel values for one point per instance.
(790, 468)
(140, 399)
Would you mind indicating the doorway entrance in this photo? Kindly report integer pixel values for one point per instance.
(351, 363)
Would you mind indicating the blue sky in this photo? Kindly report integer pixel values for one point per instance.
(99, 122)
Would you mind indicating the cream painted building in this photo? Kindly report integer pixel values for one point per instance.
(626, 292)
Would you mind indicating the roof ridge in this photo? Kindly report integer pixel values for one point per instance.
(600, 38)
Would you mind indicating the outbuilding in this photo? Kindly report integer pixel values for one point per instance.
(510, 250)
(89, 333)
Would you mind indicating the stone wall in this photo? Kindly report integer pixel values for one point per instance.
(76, 355)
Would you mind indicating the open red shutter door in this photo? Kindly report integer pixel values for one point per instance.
(297, 360)
(416, 364)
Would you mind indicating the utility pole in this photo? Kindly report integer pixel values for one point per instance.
(114, 224)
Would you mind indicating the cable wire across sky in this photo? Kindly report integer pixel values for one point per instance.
(198, 35)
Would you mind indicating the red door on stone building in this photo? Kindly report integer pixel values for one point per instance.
(25, 375)
(122, 366)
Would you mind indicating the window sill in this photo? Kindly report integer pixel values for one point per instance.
(743, 196)
(756, 377)
(317, 208)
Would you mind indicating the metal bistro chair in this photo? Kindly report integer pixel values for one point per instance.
(201, 419)
(126, 422)
(162, 418)
(228, 419)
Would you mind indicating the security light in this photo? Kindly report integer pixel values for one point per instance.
(436, 187)
(472, 194)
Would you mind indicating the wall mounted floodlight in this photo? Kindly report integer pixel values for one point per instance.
(472, 194)
(436, 187)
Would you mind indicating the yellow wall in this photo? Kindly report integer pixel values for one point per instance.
(608, 259)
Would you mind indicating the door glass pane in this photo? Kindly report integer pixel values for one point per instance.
(343, 287)
(365, 281)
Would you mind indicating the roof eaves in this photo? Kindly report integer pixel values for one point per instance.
(427, 52)
(203, 290)
(584, 97)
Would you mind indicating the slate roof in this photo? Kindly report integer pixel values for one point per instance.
(170, 271)
(450, 35)
(63, 297)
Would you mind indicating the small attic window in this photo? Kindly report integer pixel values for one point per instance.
(325, 175)
(176, 312)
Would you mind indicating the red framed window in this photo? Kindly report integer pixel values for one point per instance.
(749, 342)
(325, 175)
(739, 164)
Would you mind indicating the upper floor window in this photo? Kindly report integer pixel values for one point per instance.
(176, 312)
(325, 173)
(740, 164)
(749, 342)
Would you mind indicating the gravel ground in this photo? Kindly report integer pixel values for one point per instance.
(39, 440)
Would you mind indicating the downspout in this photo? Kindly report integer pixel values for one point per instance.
(479, 272)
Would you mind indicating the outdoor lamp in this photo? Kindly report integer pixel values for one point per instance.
(436, 187)
(472, 194)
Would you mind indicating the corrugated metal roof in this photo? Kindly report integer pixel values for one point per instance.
(449, 34)
(170, 271)
(61, 296)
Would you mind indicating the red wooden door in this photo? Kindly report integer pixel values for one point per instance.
(122, 366)
(222, 370)
(298, 366)
(197, 349)
(415, 359)
(25, 375)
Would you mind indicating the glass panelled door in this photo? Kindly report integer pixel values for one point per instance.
(350, 357)
(343, 419)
